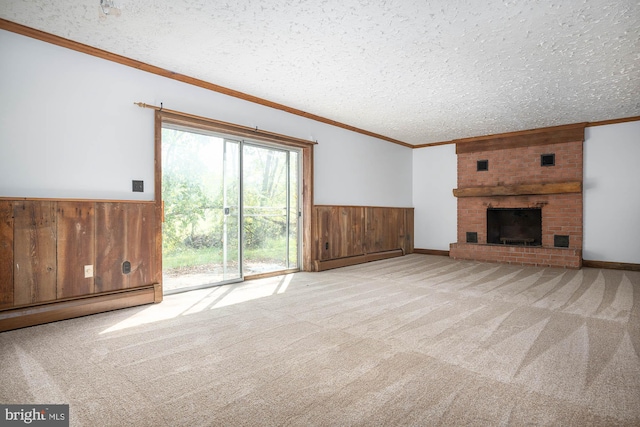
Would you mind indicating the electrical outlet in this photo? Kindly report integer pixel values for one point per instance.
(88, 271)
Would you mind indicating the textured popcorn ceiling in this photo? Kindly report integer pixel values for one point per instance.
(416, 70)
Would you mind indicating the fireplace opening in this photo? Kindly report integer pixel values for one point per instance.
(519, 226)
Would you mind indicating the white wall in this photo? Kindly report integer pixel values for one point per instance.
(373, 172)
(69, 128)
(612, 193)
(434, 178)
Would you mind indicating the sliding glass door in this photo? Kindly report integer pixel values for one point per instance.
(270, 209)
(201, 195)
(231, 209)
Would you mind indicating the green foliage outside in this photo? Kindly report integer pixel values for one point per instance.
(196, 193)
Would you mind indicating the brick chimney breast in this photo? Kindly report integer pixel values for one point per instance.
(522, 175)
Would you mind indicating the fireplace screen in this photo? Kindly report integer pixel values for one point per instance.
(520, 226)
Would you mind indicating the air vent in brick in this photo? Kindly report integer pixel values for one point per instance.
(560, 241)
(548, 160)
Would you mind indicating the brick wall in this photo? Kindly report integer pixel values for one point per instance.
(521, 165)
(561, 213)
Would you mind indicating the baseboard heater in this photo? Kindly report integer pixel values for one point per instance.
(31, 315)
(357, 259)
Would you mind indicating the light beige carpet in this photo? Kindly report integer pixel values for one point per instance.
(417, 340)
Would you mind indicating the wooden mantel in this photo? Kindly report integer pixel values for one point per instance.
(520, 189)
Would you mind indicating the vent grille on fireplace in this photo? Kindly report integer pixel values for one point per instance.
(548, 160)
(560, 241)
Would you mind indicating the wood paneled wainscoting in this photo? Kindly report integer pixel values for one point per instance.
(347, 235)
(67, 258)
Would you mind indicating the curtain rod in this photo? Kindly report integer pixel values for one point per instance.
(232, 127)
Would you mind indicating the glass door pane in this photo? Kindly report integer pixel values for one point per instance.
(232, 267)
(265, 173)
(200, 190)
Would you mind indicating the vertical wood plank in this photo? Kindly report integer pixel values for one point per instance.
(338, 231)
(342, 218)
(6, 254)
(342, 245)
(360, 231)
(76, 248)
(323, 224)
(34, 257)
(372, 229)
(110, 246)
(395, 231)
(400, 222)
(140, 243)
(408, 229)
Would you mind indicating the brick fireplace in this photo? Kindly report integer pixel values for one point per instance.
(520, 198)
